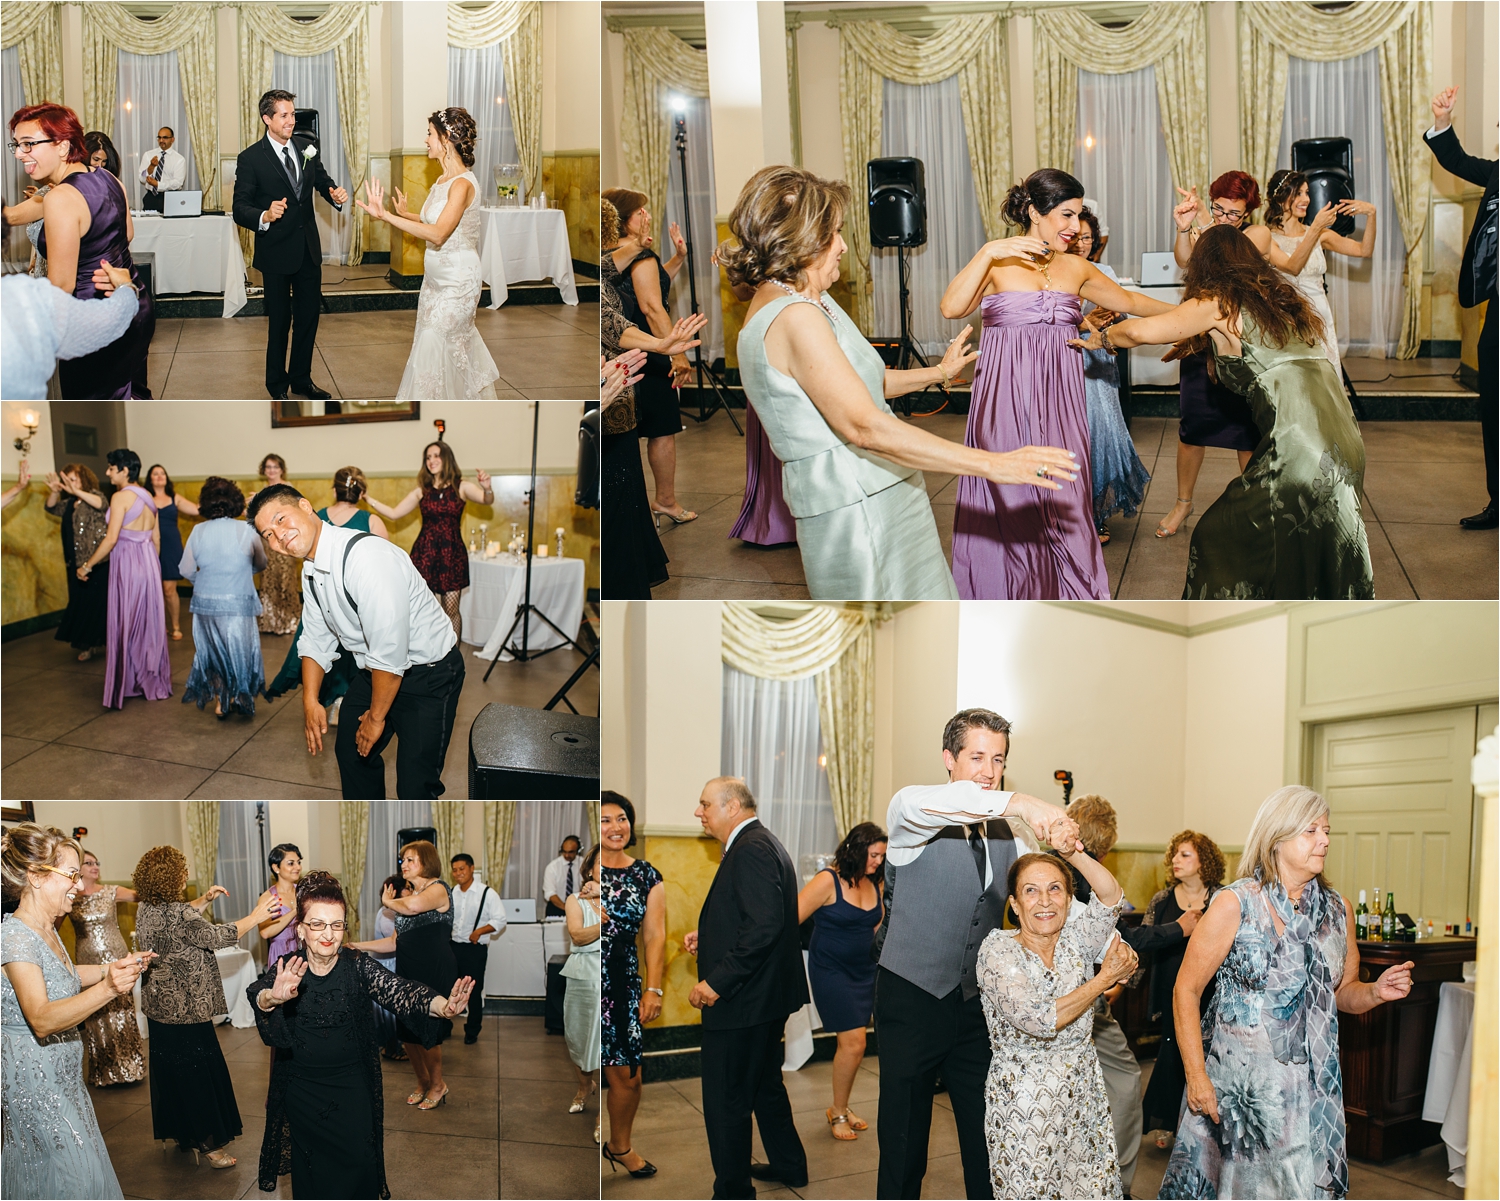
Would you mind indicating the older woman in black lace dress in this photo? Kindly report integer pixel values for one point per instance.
(325, 1121)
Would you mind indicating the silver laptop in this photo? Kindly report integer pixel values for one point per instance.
(519, 910)
(182, 204)
(1159, 270)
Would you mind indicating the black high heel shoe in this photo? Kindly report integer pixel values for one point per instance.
(646, 1169)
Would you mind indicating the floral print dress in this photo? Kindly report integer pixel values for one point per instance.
(1046, 1115)
(623, 893)
(1271, 1049)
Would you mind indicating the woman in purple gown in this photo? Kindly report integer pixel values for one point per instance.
(764, 518)
(136, 661)
(1012, 542)
(86, 221)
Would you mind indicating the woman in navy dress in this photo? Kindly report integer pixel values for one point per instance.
(168, 506)
(846, 903)
(86, 219)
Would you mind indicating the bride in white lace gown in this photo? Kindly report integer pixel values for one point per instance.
(448, 359)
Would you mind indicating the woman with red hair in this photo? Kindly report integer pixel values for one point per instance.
(1211, 414)
(86, 224)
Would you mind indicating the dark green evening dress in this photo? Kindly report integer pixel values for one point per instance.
(336, 679)
(1289, 528)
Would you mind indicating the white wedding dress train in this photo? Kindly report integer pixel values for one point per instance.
(448, 359)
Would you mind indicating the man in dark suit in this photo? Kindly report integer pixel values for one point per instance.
(1476, 280)
(274, 184)
(750, 978)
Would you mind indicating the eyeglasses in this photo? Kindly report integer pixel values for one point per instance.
(72, 873)
(1223, 214)
(319, 927)
(26, 147)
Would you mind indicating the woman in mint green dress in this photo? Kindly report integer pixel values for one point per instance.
(349, 485)
(1289, 528)
(851, 470)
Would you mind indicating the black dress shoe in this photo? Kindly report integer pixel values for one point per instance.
(764, 1171)
(1485, 519)
(277, 395)
(311, 391)
(470, 1039)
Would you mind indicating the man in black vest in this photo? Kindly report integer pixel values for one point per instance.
(274, 183)
(1476, 280)
(949, 853)
(750, 978)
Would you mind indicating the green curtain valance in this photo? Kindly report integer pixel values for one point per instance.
(657, 63)
(36, 32)
(517, 26)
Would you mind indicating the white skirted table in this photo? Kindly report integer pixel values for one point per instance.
(520, 243)
(497, 586)
(193, 254)
(1447, 1098)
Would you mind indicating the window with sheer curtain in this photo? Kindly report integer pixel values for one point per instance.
(476, 82)
(386, 817)
(771, 737)
(1342, 99)
(701, 205)
(148, 95)
(241, 866)
(314, 81)
(1121, 160)
(926, 121)
(540, 828)
(17, 244)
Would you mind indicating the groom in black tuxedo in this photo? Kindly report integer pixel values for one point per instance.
(274, 183)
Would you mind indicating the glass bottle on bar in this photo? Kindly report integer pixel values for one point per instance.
(1373, 925)
(1362, 919)
(1388, 921)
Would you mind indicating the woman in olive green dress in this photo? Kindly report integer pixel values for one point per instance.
(1289, 528)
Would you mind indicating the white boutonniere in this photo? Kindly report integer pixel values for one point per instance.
(309, 152)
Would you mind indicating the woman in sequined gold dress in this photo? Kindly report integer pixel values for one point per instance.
(1046, 1114)
(111, 1035)
(281, 582)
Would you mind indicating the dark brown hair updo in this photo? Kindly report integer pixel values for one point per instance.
(27, 847)
(457, 128)
(1042, 190)
(1281, 191)
(319, 886)
(1226, 268)
(220, 498)
(783, 221)
(349, 484)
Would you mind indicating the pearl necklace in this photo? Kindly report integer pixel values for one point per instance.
(791, 291)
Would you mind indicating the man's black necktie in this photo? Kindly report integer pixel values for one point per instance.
(976, 844)
(568, 892)
(291, 166)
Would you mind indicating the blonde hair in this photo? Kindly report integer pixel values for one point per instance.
(1097, 828)
(783, 221)
(26, 848)
(1282, 815)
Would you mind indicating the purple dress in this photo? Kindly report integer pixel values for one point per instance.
(136, 662)
(1013, 541)
(764, 518)
(283, 944)
(117, 371)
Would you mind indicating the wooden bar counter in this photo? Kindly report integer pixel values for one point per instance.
(1384, 1053)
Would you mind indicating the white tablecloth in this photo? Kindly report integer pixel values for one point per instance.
(194, 254)
(517, 244)
(237, 969)
(498, 586)
(1447, 1099)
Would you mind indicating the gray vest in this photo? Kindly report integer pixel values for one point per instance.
(937, 910)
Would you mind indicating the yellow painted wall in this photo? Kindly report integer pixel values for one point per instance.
(571, 181)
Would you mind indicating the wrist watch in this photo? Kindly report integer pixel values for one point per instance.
(657, 991)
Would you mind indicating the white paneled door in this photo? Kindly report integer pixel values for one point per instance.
(1401, 807)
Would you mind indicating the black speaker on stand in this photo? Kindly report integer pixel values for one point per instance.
(307, 124)
(898, 217)
(1328, 164)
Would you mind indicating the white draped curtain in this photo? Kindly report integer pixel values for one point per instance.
(243, 847)
(1120, 157)
(771, 737)
(926, 121)
(13, 97)
(540, 827)
(1342, 99)
(148, 95)
(514, 28)
(700, 166)
(476, 82)
(386, 817)
(314, 81)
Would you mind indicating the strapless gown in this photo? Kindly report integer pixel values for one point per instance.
(1290, 527)
(1013, 541)
(116, 371)
(448, 357)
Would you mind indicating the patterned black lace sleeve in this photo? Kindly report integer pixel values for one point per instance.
(405, 998)
(274, 1029)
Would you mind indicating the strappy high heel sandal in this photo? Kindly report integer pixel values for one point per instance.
(417, 1097)
(431, 1104)
(835, 1120)
(856, 1122)
(1161, 528)
(646, 1169)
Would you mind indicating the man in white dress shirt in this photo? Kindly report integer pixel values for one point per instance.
(950, 849)
(364, 593)
(478, 918)
(560, 879)
(164, 171)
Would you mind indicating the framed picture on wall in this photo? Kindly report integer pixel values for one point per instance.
(24, 812)
(288, 414)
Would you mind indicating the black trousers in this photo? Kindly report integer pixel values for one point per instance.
(421, 719)
(151, 200)
(921, 1035)
(293, 303)
(471, 959)
(1489, 391)
(741, 1077)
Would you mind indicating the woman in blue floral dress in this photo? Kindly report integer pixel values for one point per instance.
(633, 898)
(1265, 1099)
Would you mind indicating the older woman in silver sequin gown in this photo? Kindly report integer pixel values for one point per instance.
(111, 1036)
